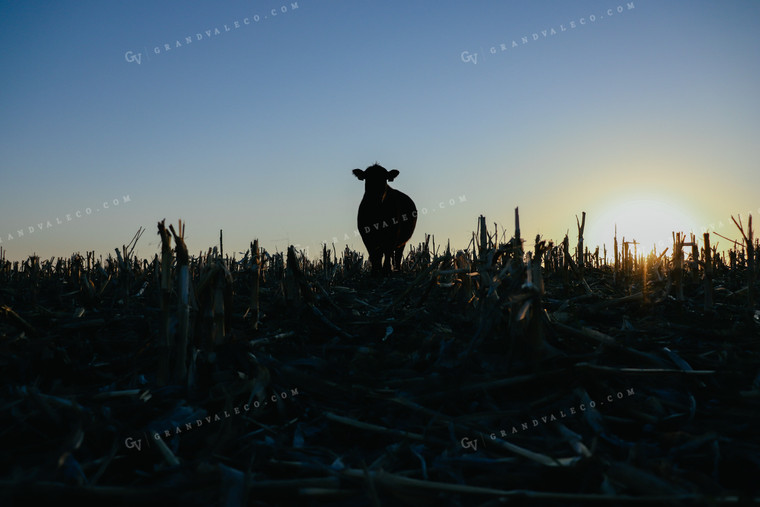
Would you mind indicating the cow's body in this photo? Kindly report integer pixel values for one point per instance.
(386, 218)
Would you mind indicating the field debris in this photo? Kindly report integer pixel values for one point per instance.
(505, 371)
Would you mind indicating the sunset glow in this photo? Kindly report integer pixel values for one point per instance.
(650, 221)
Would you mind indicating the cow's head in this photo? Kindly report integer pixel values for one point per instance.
(376, 179)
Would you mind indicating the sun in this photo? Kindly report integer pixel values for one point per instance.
(648, 220)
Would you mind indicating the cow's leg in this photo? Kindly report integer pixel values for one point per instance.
(388, 261)
(376, 260)
(398, 255)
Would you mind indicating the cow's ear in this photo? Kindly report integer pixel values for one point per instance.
(392, 174)
(358, 173)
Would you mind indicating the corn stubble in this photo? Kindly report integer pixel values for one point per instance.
(392, 374)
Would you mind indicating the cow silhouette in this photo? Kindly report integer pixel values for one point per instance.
(386, 218)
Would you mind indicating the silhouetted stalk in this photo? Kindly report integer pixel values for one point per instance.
(581, 227)
(678, 241)
(518, 240)
(183, 288)
(483, 238)
(749, 242)
(615, 273)
(708, 274)
(644, 289)
(255, 285)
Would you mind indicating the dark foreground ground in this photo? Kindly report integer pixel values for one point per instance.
(428, 388)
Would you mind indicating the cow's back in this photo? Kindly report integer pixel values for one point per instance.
(388, 223)
(402, 208)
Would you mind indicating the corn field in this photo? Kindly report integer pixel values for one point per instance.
(396, 378)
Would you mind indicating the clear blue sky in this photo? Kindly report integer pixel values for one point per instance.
(255, 130)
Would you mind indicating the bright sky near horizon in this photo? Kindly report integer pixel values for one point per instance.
(248, 116)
